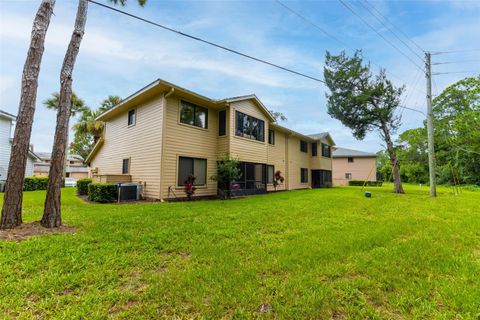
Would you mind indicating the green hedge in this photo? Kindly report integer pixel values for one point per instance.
(361, 183)
(82, 186)
(35, 183)
(102, 192)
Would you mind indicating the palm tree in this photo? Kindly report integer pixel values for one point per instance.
(76, 104)
(13, 198)
(109, 103)
(87, 125)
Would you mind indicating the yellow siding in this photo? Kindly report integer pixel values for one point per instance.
(277, 158)
(189, 141)
(247, 149)
(142, 143)
(296, 161)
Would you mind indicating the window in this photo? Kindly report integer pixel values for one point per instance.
(314, 149)
(126, 166)
(350, 159)
(131, 117)
(249, 127)
(271, 137)
(348, 176)
(222, 123)
(193, 115)
(303, 146)
(270, 173)
(303, 175)
(192, 166)
(326, 150)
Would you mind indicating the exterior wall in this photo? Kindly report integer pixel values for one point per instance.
(359, 168)
(78, 175)
(141, 142)
(188, 141)
(277, 158)
(5, 149)
(247, 149)
(296, 161)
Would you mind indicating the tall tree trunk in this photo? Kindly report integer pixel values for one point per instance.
(52, 210)
(394, 162)
(12, 204)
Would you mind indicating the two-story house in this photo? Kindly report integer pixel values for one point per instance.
(7, 125)
(163, 133)
(349, 164)
(74, 166)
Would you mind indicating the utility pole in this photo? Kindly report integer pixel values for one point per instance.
(431, 149)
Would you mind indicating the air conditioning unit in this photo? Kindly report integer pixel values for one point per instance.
(130, 191)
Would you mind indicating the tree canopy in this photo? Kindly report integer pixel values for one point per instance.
(363, 102)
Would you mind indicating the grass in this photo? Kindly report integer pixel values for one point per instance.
(324, 253)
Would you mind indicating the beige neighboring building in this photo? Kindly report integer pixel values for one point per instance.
(162, 133)
(351, 164)
(75, 167)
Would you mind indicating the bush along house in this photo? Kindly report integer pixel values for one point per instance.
(162, 134)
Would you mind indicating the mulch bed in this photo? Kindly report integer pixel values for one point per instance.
(28, 230)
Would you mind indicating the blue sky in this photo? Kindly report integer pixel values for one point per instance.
(120, 55)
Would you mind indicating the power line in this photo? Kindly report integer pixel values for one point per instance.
(208, 42)
(378, 33)
(309, 21)
(399, 30)
(222, 47)
(313, 24)
(385, 25)
(454, 51)
(453, 62)
(452, 72)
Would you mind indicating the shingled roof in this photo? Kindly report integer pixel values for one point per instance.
(344, 153)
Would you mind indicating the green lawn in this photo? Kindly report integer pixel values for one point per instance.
(324, 253)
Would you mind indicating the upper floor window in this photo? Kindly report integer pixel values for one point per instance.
(249, 127)
(314, 149)
(350, 159)
(131, 117)
(326, 150)
(222, 122)
(303, 146)
(271, 137)
(193, 115)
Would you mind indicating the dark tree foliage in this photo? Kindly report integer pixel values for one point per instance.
(363, 102)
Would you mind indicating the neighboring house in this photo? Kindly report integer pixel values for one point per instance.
(162, 133)
(351, 164)
(75, 166)
(7, 125)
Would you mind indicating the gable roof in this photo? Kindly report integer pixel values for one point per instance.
(345, 153)
(7, 115)
(322, 135)
(255, 99)
(160, 86)
(48, 156)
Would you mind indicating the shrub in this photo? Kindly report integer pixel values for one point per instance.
(102, 192)
(35, 183)
(361, 183)
(227, 172)
(82, 186)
